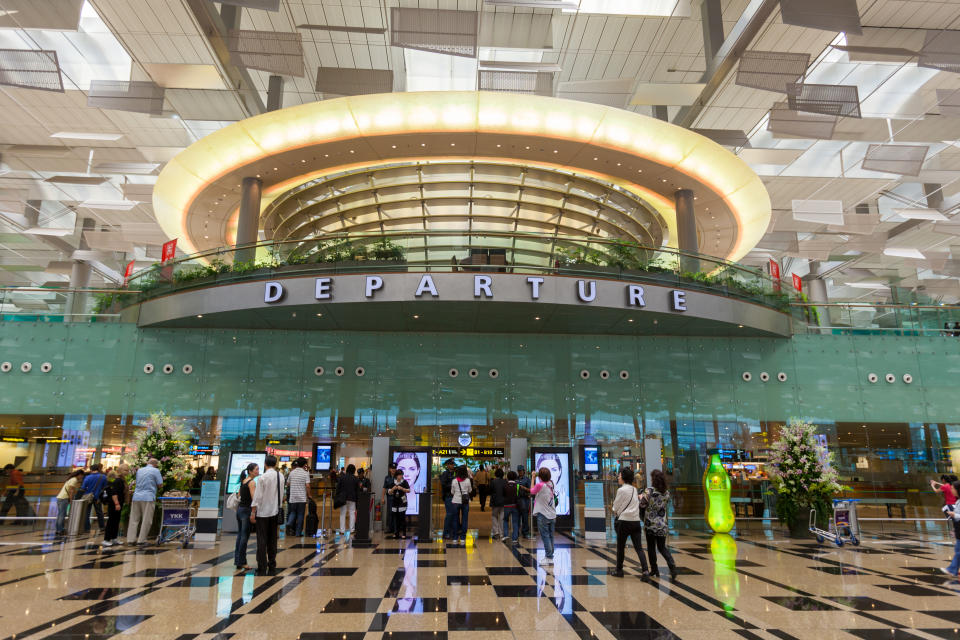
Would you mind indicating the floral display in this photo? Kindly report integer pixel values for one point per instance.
(165, 440)
(803, 476)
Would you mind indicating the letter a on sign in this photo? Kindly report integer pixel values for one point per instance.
(426, 284)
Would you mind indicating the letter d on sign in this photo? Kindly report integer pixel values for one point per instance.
(273, 292)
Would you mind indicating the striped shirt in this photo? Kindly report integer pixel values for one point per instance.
(299, 478)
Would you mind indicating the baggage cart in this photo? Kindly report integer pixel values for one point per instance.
(843, 526)
(176, 521)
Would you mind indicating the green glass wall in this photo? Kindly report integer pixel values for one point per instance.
(248, 387)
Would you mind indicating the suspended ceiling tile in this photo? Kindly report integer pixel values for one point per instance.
(787, 122)
(921, 214)
(941, 50)
(538, 83)
(451, 32)
(884, 45)
(30, 69)
(137, 192)
(819, 211)
(669, 94)
(613, 93)
(725, 137)
(506, 30)
(137, 97)
(948, 101)
(771, 70)
(895, 158)
(770, 156)
(263, 5)
(185, 76)
(54, 15)
(353, 82)
(828, 15)
(106, 241)
(270, 51)
(825, 99)
(857, 223)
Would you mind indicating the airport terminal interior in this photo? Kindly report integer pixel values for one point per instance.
(412, 319)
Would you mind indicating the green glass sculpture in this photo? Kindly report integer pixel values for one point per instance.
(716, 487)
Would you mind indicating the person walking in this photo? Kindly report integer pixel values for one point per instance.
(116, 496)
(461, 491)
(387, 498)
(65, 497)
(446, 482)
(299, 481)
(655, 500)
(545, 511)
(264, 511)
(92, 489)
(146, 484)
(523, 501)
(347, 489)
(398, 500)
(244, 509)
(511, 512)
(482, 478)
(497, 487)
(946, 488)
(626, 510)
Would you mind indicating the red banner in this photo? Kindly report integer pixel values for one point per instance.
(169, 250)
(128, 271)
(797, 283)
(775, 274)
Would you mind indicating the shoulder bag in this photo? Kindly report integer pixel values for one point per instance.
(280, 518)
(338, 496)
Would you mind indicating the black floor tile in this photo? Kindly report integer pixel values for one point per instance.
(416, 635)
(477, 621)
(863, 603)
(517, 590)
(882, 634)
(951, 615)
(100, 564)
(352, 605)
(749, 563)
(932, 571)
(645, 634)
(96, 593)
(800, 603)
(468, 580)
(582, 580)
(942, 633)
(509, 571)
(935, 580)
(431, 563)
(97, 628)
(839, 571)
(399, 551)
(203, 581)
(419, 605)
(333, 635)
(617, 621)
(379, 622)
(334, 571)
(364, 545)
(913, 590)
(154, 573)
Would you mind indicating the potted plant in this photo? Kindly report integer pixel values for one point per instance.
(803, 477)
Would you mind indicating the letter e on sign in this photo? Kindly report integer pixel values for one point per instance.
(678, 300)
(273, 292)
(323, 288)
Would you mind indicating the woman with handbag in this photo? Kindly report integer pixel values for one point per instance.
(116, 497)
(626, 510)
(655, 500)
(398, 504)
(545, 511)
(244, 500)
(462, 491)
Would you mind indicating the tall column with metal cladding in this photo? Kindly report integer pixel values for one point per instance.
(248, 221)
(686, 229)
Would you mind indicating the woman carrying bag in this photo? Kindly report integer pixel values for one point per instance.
(462, 491)
(626, 510)
(398, 504)
(655, 500)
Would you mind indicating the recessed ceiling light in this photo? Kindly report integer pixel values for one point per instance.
(393, 146)
(498, 146)
(527, 148)
(415, 317)
(453, 144)
(423, 144)
(319, 315)
(536, 317)
(351, 150)
(303, 161)
(200, 315)
(82, 135)
(630, 320)
(555, 151)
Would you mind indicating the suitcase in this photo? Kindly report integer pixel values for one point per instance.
(311, 522)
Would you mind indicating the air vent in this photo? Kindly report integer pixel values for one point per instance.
(895, 158)
(825, 99)
(828, 15)
(787, 122)
(771, 70)
(435, 30)
(272, 51)
(353, 82)
(30, 69)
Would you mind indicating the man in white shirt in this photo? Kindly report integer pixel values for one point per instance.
(299, 480)
(264, 510)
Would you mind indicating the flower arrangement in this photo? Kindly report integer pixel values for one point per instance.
(803, 476)
(165, 440)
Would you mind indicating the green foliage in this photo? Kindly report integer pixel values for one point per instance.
(385, 249)
(104, 301)
(802, 474)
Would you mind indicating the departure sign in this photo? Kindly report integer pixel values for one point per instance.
(468, 452)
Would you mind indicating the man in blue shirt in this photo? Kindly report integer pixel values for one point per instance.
(148, 482)
(92, 489)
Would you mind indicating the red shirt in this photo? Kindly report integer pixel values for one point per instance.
(949, 496)
(16, 479)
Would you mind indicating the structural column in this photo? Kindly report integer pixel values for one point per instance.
(75, 303)
(248, 220)
(687, 229)
(275, 93)
(817, 292)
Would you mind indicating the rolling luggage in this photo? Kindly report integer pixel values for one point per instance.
(311, 522)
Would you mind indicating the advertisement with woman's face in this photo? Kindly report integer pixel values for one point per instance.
(558, 464)
(413, 464)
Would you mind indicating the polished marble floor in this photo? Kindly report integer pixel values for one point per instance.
(757, 585)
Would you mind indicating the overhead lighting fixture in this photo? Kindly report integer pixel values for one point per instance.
(86, 135)
(921, 214)
(109, 205)
(659, 8)
(904, 252)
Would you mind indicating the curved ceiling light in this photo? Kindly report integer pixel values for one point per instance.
(199, 190)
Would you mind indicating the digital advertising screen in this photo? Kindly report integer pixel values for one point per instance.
(416, 471)
(322, 456)
(557, 461)
(591, 459)
(238, 462)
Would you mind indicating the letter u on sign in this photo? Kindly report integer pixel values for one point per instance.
(587, 290)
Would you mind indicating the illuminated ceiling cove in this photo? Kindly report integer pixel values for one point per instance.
(197, 194)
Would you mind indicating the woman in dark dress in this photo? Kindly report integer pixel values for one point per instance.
(116, 491)
(399, 492)
(247, 489)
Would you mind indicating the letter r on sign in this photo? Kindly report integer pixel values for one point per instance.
(482, 283)
(635, 293)
(373, 284)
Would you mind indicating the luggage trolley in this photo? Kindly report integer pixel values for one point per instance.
(175, 521)
(844, 524)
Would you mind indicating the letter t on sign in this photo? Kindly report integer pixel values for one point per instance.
(535, 287)
(678, 300)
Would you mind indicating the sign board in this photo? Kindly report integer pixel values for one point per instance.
(238, 462)
(209, 494)
(797, 283)
(467, 452)
(176, 517)
(169, 250)
(593, 495)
